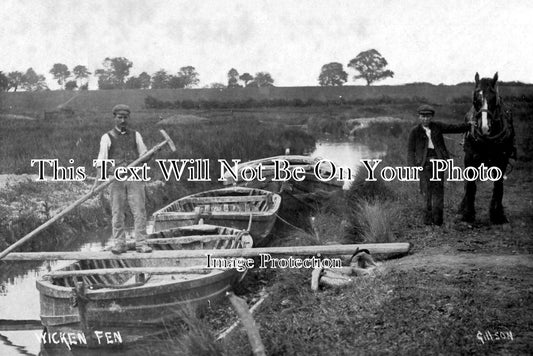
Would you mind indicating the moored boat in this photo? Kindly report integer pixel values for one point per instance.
(316, 174)
(238, 207)
(317, 179)
(130, 299)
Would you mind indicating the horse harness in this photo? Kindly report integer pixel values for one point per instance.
(505, 117)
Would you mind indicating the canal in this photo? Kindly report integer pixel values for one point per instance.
(19, 298)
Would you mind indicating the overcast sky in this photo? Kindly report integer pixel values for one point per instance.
(444, 41)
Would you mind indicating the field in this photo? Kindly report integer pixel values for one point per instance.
(98, 101)
(459, 283)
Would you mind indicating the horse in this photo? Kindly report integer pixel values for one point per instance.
(491, 142)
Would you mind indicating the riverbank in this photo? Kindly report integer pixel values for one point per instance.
(460, 283)
(463, 289)
(25, 204)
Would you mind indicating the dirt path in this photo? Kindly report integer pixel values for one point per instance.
(462, 261)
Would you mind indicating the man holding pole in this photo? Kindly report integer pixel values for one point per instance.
(124, 145)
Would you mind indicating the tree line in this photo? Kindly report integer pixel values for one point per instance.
(115, 74)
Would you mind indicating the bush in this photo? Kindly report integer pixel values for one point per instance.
(374, 221)
(333, 126)
(153, 103)
(188, 104)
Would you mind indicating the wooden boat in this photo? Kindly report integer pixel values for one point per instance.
(136, 298)
(314, 186)
(316, 175)
(243, 208)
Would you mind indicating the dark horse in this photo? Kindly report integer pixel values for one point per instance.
(490, 142)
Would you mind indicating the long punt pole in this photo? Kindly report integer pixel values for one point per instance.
(78, 202)
(325, 250)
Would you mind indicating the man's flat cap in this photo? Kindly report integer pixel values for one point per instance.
(426, 109)
(121, 108)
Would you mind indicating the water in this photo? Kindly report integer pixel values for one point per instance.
(19, 298)
(345, 154)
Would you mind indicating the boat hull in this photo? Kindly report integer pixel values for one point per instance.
(131, 313)
(308, 192)
(314, 175)
(132, 299)
(253, 210)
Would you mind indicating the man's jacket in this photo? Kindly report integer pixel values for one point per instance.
(417, 146)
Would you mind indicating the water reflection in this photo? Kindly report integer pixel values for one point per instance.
(19, 298)
(345, 153)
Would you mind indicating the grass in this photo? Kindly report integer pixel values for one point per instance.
(26, 205)
(376, 221)
(194, 337)
(78, 139)
(404, 313)
(420, 310)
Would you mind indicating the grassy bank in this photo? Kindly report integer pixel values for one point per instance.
(459, 283)
(435, 301)
(26, 204)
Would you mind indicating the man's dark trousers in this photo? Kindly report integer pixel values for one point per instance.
(433, 192)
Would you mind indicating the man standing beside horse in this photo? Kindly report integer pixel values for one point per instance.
(426, 142)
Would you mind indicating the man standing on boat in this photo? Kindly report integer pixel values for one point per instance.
(124, 145)
(426, 142)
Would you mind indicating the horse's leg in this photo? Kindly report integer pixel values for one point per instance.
(467, 206)
(496, 213)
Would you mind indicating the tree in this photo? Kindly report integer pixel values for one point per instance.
(145, 80)
(32, 81)
(114, 73)
(140, 82)
(105, 80)
(71, 85)
(217, 86)
(262, 79)
(177, 82)
(246, 78)
(160, 79)
(133, 83)
(4, 82)
(15, 80)
(81, 74)
(332, 74)
(61, 73)
(233, 78)
(371, 66)
(189, 76)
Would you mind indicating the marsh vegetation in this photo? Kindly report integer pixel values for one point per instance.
(424, 308)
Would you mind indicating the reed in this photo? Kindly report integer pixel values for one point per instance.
(242, 138)
(375, 221)
(190, 335)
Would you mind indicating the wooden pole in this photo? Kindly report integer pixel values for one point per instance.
(248, 324)
(111, 271)
(78, 202)
(17, 325)
(81, 303)
(397, 248)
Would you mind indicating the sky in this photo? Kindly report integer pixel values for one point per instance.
(422, 40)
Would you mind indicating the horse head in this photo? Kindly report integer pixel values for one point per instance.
(486, 102)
